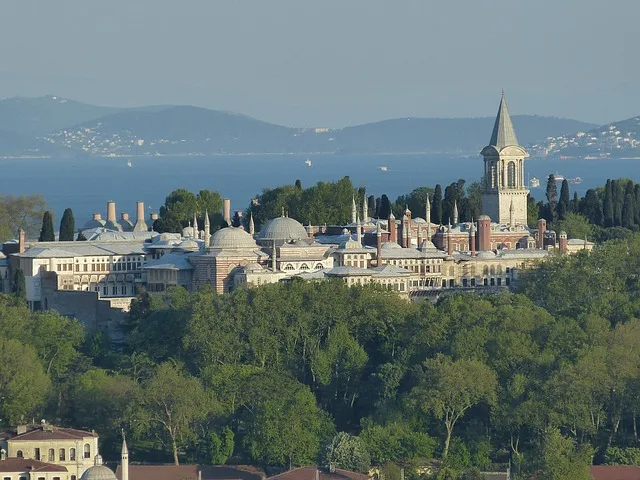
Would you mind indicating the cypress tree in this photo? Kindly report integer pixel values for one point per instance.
(81, 237)
(385, 207)
(636, 192)
(563, 203)
(575, 204)
(629, 206)
(590, 207)
(436, 205)
(618, 199)
(607, 205)
(67, 226)
(46, 232)
(19, 284)
(552, 198)
(371, 205)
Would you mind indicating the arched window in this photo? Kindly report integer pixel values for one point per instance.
(72, 454)
(61, 455)
(485, 270)
(87, 450)
(304, 266)
(52, 455)
(319, 266)
(19, 454)
(288, 266)
(511, 175)
(493, 270)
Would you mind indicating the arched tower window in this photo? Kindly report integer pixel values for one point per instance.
(511, 175)
(87, 450)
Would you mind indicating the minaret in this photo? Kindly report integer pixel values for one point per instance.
(428, 218)
(195, 225)
(365, 209)
(353, 210)
(358, 231)
(455, 212)
(124, 459)
(207, 229)
(252, 227)
(504, 172)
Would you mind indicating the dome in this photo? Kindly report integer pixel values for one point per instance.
(350, 244)
(232, 237)
(98, 471)
(253, 267)
(390, 246)
(191, 245)
(484, 217)
(563, 233)
(418, 220)
(486, 254)
(281, 229)
(188, 232)
(427, 245)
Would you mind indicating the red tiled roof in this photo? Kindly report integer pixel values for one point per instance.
(49, 432)
(21, 465)
(190, 472)
(615, 472)
(309, 473)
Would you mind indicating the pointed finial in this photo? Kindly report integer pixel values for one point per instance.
(283, 211)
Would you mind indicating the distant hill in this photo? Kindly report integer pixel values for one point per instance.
(57, 126)
(182, 130)
(617, 139)
(40, 115)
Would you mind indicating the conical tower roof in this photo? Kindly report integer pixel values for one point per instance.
(503, 132)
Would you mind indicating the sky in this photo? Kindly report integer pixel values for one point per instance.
(329, 62)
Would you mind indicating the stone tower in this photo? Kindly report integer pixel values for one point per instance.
(504, 173)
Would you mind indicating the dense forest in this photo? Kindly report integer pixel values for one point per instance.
(299, 373)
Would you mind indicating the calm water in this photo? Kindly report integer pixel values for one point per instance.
(85, 185)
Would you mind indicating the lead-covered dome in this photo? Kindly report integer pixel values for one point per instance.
(232, 238)
(281, 230)
(98, 471)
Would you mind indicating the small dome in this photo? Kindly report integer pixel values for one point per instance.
(484, 217)
(390, 246)
(427, 245)
(418, 220)
(232, 237)
(282, 230)
(188, 232)
(530, 239)
(253, 267)
(98, 471)
(486, 254)
(351, 244)
(190, 245)
(563, 233)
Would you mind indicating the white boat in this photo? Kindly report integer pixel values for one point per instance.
(383, 169)
(307, 162)
(129, 164)
(534, 182)
(558, 177)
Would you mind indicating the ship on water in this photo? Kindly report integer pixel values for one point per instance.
(307, 162)
(534, 182)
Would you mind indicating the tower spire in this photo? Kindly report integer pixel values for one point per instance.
(353, 209)
(503, 133)
(365, 209)
(124, 458)
(195, 225)
(455, 212)
(252, 227)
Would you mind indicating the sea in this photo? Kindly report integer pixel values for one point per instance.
(86, 184)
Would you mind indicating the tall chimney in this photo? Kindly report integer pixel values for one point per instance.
(124, 216)
(111, 211)
(420, 239)
(226, 210)
(141, 225)
(97, 216)
(21, 241)
(484, 233)
(449, 242)
(563, 242)
(542, 228)
(392, 228)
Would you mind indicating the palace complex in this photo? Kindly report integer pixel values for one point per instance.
(96, 280)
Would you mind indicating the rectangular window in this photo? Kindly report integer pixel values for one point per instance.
(36, 453)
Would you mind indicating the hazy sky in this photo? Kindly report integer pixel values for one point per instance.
(330, 62)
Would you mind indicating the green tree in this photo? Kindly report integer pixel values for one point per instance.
(396, 443)
(607, 205)
(552, 199)
(385, 207)
(348, 452)
(67, 226)
(23, 383)
(560, 458)
(591, 208)
(19, 284)
(46, 232)
(288, 428)
(450, 388)
(533, 212)
(81, 237)
(564, 205)
(416, 200)
(629, 206)
(436, 205)
(21, 212)
(105, 401)
(216, 449)
(575, 225)
(172, 405)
